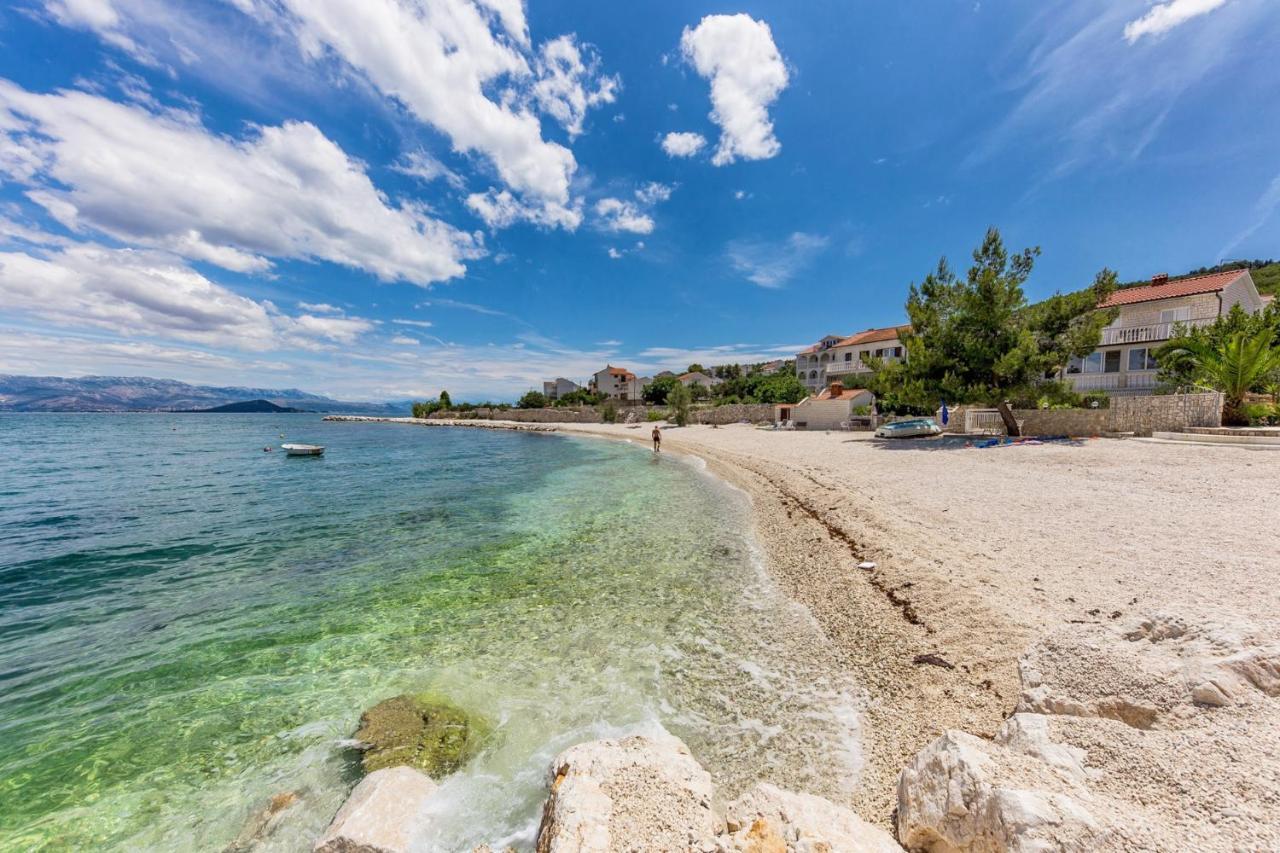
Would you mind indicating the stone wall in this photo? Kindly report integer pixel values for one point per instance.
(1139, 415)
(1064, 421)
(756, 413)
(1165, 413)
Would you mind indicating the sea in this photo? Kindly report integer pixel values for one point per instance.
(191, 624)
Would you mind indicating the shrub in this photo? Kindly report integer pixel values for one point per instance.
(656, 415)
(679, 401)
(609, 414)
(532, 400)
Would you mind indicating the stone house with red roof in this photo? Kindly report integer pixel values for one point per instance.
(1147, 317)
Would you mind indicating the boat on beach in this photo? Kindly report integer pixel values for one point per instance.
(303, 449)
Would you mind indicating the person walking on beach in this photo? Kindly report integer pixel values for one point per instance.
(657, 440)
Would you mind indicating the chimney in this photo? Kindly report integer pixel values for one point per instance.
(1160, 278)
(837, 388)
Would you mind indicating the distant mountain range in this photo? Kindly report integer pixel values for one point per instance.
(144, 394)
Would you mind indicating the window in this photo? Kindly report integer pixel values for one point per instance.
(1176, 315)
(1111, 362)
(1142, 358)
(848, 357)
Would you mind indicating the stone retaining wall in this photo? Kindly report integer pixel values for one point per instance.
(1139, 415)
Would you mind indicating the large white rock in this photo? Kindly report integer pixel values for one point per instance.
(637, 793)
(768, 818)
(962, 793)
(382, 815)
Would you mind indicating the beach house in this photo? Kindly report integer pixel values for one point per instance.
(846, 357)
(558, 387)
(830, 408)
(1147, 316)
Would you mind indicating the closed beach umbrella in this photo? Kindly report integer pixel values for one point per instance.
(946, 416)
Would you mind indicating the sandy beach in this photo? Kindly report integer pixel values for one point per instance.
(982, 553)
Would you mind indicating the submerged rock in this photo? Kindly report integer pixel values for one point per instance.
(263, 823)
(637, 793)
(382, 815)
(420, 732)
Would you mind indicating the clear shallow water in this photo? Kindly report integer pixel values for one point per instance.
(189, 626)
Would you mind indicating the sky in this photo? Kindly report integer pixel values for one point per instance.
(380, 199)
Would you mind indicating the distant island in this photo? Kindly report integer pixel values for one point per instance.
(147, 394)
(248, 407)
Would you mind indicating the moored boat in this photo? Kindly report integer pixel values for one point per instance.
(303, 449)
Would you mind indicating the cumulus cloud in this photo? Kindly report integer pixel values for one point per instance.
(162, 180)
(442, 60)
(1163, 17)
(747, 73)
(618, 215)
(403, 341)
(570, 83)
(100, 16)
(772, 264)
(683, 144)
(154, 294)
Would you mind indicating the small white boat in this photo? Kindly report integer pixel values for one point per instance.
(303, 449)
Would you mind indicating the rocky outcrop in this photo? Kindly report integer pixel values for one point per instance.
(1123, 739)
(643, 793)
(263, 823)
(417, 731)
(768, 819)
(382, 815)
(965, 793)
(629, 794)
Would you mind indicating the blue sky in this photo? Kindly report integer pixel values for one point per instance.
(379, 199)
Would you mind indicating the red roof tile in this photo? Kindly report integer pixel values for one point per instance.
(1210, 283)
(846, 394)
(873, 336)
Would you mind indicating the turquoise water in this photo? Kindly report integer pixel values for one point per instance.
(189, 625)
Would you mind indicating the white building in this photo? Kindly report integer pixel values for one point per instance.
(830, 408)
(845, 358)
(617, 383)
(1124, 362)
(558, 387)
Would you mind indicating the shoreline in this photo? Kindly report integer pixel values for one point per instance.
(876, 641)
(1139, 646)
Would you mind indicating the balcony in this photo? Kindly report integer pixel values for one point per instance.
(1085, 382)
(1142, 334)
(838, 367)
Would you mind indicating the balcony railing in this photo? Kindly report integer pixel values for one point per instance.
(852, 366)
(1156, 332)
(1112, 381)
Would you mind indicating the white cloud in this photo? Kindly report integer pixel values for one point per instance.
(319, 308)
(422, 165)
(569, 82)
(502, 209)
(153, 294)
(618, 215)
(683, 144)
(100, 16)
(654, 192)
(1163, 17)
(773, 263)
(615, 253)
(737, 54)
(441, 60)
(403, 341)
(163, 181)
(421, 324)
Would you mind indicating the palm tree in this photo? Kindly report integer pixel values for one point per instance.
(1234, 366)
